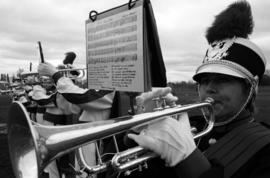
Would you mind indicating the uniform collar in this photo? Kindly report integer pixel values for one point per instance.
(244, 117)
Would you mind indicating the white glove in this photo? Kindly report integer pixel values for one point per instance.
(46, 69)
(28, 88)
(39, 93)
(172, 140)
(145, 101)
(23, 99)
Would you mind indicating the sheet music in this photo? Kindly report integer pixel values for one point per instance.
(115, 51)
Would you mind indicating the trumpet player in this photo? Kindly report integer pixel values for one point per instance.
(48, 113)
(238, 146)
(92, 105)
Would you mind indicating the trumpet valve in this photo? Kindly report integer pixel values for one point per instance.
(158, 104)
(140, 168)
(164, 103)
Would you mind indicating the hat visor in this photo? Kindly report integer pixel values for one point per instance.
(218, 69)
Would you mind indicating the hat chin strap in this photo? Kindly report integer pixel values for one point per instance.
(253, 89)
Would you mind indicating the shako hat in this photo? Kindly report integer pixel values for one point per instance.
(70, 57)
(230, 51)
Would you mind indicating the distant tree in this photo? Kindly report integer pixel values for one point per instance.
(265, 79)
(3, 77)
(13, 77)
(182, 85)
(8, 79)
(267, 72)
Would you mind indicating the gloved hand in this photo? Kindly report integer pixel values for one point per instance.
(28, 88)
(39, 93)
(145, 101)
(172, 140)
(46, 69)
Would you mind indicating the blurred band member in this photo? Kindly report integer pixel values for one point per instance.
(93, 105)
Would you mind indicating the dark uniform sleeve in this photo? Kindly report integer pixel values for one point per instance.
(41, 98)
(258, 166)
(196, 165)
(87, 99)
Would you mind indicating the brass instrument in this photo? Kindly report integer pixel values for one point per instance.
(32, 147)
(5, 92)
(33, 77)
(68, 73)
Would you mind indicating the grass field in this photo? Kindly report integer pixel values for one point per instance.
(263, 104)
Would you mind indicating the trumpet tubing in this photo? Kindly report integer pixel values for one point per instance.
(74, 73)
(33, 147)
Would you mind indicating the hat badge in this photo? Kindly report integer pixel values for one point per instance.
(218, 50)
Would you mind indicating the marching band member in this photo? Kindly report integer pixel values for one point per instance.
(42, 99)
(238, 146)
(95, 105)
(48, 113)
(58, 112)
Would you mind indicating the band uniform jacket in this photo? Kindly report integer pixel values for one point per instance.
(257, 166)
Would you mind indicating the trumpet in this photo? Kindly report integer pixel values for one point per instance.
(32, 146)
(74, 73)
(33, 77)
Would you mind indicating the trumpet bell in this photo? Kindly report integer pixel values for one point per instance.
(22, 143)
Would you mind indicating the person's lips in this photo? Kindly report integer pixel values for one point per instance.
(218, 107)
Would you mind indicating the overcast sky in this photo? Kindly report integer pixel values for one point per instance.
(60, 26)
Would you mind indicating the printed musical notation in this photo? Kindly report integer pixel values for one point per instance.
(114, 47)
